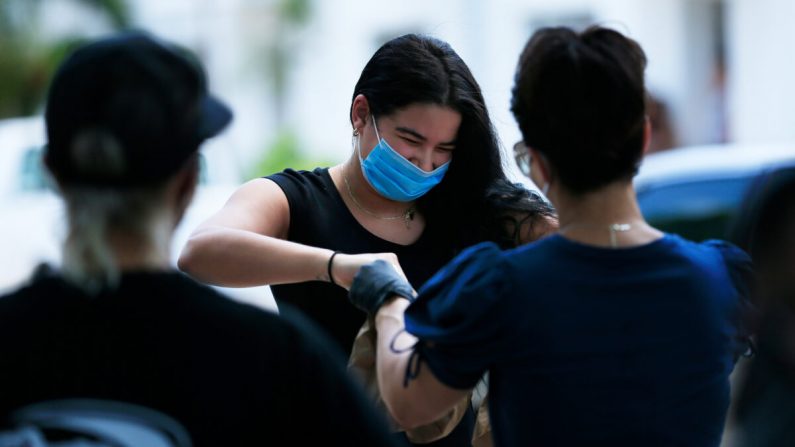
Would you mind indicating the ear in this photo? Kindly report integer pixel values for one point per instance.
(360, 112)
(646, 135)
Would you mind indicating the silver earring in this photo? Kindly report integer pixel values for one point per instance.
(355, 132)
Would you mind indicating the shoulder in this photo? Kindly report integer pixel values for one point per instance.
(713, 251)
(738, 264)
(304, 188)
(719, 261)
(33, 293)
(730, 253)
(291, 178)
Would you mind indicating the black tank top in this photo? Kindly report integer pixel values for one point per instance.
(319, 218)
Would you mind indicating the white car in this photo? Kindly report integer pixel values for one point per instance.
(697, 191)
(32, 223)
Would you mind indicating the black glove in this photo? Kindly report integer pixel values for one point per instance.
(376, 282)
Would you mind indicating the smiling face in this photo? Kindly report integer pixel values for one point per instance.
(424, 134)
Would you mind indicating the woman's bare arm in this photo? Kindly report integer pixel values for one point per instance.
(425, 399)
(243, 245)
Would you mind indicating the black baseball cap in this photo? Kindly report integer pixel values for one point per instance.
(145, 95)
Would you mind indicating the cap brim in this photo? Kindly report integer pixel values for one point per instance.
(215, 116)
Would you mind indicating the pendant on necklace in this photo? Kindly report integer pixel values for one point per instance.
(408, 216)
(617, 227)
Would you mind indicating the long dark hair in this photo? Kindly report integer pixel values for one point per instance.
(474, 199)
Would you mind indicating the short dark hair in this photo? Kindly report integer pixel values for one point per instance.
(580, 100)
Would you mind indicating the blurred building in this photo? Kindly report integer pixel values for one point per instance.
(722, 69)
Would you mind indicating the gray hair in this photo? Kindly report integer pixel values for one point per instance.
(94, 214)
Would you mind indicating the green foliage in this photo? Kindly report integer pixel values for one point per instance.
(25, 72)
(280, 51)
(285, 152)
(116, 10)
(27, 61)
(295, 11)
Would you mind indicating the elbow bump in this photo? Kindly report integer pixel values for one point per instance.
(407, 417)
(183, 262)
(186, 259)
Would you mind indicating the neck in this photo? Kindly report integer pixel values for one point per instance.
(614, 203)
(607, 217)
(142, 252)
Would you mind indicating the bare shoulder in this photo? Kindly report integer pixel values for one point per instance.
(533, 228)
(258, 205)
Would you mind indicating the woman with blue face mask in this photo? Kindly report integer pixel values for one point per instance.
(394, 177)
(423, 182)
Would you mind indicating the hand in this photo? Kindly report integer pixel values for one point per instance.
(345, 266)
(375, 284)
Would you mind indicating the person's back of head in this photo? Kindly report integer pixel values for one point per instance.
(580, 100)
(125, 117)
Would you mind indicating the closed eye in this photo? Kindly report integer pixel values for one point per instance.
(411, 141)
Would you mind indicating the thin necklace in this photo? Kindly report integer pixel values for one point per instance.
(407, 215)
(614, 228)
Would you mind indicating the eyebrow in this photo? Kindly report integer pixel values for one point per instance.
(420, 136)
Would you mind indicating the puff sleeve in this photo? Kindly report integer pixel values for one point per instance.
(461, 318)
(741, 273)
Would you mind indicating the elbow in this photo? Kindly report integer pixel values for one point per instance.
(187, 261)
(407, 419)
(407, 416)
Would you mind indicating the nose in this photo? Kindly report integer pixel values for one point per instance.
(423, 159)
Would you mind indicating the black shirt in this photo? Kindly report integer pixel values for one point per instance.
(320, 218)
(232, 374)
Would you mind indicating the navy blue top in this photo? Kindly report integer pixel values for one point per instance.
(587, 345)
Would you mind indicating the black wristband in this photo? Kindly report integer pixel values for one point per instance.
(330, 262)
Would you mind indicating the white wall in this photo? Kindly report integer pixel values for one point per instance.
(228, 36)
(342, 35)
(762, 70)
(489, 36)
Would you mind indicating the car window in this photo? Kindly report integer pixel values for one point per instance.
(696, 210)
(203, 170)
(32, 177)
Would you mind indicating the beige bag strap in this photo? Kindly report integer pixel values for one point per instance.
(362, 364)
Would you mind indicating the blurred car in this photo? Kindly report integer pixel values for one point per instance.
(698, 191)
(33, 222)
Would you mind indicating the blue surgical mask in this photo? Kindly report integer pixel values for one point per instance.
(394, 177)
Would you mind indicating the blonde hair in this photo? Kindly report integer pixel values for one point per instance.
(94, 213)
